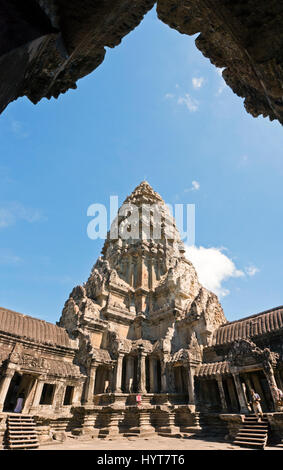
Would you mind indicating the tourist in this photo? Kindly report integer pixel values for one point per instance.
(255, 401)
(20, 403)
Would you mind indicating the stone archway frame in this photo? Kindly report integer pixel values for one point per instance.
(244, 42)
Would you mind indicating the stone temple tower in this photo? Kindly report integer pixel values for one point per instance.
(141, 320)
(141, 348)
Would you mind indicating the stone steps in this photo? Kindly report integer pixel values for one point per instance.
(21, 432)
(252, 433)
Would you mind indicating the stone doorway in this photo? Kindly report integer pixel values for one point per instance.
(258, 382)
(180, 379)
(231, 397)
(20, 383)
(102, 380)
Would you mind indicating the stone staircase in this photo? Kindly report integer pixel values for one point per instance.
(21, 432)
(252, 433)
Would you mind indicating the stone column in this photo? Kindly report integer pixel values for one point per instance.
(140, 271)
(268, 370)
(240, 393)
(221, 393)
(150, 283)
(29, 394)
(152, 374)
(118, 374)
(190, 382)
(90, 384)
(60, 394)
(163, 376)
(130, 270)
(4, 387)
(141, 373)
(248, 382)
(231, 392)
(77, 395)
(157, 269)
(37, 394)
(153, 272)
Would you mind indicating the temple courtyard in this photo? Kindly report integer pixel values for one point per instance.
(156, 443)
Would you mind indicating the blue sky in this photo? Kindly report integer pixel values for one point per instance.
(156, 109)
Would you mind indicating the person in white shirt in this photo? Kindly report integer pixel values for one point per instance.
(255, 401)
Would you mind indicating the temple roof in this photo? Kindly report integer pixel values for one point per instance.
(268, 321)
(143, 216)
(212, 368)
(144, 194)
(33, 329)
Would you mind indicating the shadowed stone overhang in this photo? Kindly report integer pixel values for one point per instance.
(212, 369)
(46, 46)
(270, 321)
(33, 329)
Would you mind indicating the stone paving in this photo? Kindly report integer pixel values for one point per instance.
(156, 443)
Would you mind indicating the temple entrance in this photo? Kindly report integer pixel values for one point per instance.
(180, 379)
(102, 380)
(208, 397)
(130, 374)
(257, 381)
(20, 383)
(230, 394)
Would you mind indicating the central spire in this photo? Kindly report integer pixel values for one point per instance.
(144, 194)
(143, 242)
(144, 216)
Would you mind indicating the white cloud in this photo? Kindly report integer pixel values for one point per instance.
(213, 268)
(197, 82)
(11, 212)
(195, 187)
(252, 270)
(189, 102)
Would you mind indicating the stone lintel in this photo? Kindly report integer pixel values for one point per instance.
(95, 325)
(119, 316)
(113, 287)
(141, 291)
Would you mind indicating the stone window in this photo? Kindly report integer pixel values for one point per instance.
(47, 394)
(68, 398)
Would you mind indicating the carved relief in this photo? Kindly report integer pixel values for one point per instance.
(29, 359)
(244, 352)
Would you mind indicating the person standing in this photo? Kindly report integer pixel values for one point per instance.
(255, 401)
(20, 403)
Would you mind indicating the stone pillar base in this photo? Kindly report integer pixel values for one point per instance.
(190, 430)
(145, 428)
(112, 431)
(168, 431)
